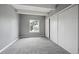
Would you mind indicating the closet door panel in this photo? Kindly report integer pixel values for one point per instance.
(53, 28)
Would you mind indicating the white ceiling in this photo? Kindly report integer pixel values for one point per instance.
(34, 9)
(52, 6)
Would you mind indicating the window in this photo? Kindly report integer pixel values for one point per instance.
(34, 26)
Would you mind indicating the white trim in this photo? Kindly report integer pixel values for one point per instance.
(7, 46)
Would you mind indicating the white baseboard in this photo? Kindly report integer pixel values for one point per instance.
(7, 46)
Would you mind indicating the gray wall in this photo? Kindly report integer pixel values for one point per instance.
(8, 25)
(24, 26)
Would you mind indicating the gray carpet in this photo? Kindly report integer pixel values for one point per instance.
(34, 46)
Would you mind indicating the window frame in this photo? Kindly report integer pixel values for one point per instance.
(30, 27)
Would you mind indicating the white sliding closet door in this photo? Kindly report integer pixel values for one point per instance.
(53, 28)
(68, 29)
(47, 27)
